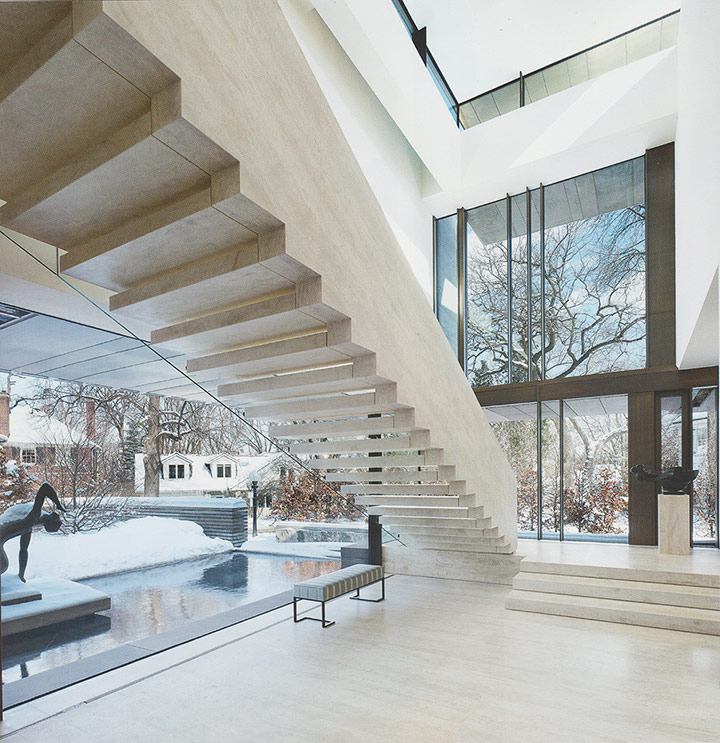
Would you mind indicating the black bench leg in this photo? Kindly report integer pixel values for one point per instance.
(358, 597)
(324, 621)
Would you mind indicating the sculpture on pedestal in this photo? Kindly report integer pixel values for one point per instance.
(673, 481)
(19, 520)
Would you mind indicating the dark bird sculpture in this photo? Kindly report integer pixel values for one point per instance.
(673, 481)
(19, 520)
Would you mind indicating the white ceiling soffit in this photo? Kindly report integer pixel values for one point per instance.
(480, 44)
(375, 39)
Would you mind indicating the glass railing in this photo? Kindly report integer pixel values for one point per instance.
(431, 65)
(609, 55)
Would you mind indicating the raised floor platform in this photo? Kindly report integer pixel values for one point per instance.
(620, 583)
(58, 600)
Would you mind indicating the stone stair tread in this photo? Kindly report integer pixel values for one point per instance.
(687, 619)
(554, 578)
(658, 575)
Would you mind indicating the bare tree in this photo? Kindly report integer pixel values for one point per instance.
(594, 301)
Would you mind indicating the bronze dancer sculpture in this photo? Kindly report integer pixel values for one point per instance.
(18, 521)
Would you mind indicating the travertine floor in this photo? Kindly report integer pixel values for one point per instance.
(438, 661)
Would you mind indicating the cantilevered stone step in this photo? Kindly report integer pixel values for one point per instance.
(685, 619)
(416, 440)
(347, 375)
(424, 512)
(387, 476)
(697, 597)
(34, 93)
(452, 531)
(400, 522)
(401, 421)
(193, 287)
(381, 399)
(454, 545)
(401, 489)
(195, 217)
(131, 172)
(422, 501)
(428, 457)
(460, 540)
(252, 322)
(323, 347)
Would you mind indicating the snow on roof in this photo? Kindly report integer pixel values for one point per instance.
(28, 428)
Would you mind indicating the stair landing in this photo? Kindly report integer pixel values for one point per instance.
(620, 583)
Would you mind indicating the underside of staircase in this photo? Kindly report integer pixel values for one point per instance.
(100, 160)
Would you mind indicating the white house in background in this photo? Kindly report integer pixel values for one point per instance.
(212, 474)
(33, 438)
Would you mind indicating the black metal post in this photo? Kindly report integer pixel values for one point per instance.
(254, 489)
(462, 286)
(374, 541)
(508, 227)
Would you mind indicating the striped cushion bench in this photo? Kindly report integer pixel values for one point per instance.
(327, 587)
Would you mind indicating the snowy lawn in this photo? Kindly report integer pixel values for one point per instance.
(127, 545)
(268, 545)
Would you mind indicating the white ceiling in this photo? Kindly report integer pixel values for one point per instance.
(479, 44)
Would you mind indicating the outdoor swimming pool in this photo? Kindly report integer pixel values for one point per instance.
(147, 602)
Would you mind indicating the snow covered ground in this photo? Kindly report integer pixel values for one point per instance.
(127, 545)
(268, 545)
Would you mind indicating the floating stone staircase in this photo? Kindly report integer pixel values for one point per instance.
(101, 161)
(664, 599)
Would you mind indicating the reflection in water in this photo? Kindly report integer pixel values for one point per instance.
(146, 602)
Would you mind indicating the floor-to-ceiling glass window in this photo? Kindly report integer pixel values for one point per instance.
(446, 277)
(555, 280)
(595, 272)
(580, 459)
(595, 468)
(516, 429)
(551, 428)
(704, 459)
(488, 319)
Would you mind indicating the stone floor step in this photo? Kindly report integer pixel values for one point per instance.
(667, 573)
(697, 597)
(684, 619)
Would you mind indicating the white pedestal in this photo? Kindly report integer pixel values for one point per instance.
(674, 524)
